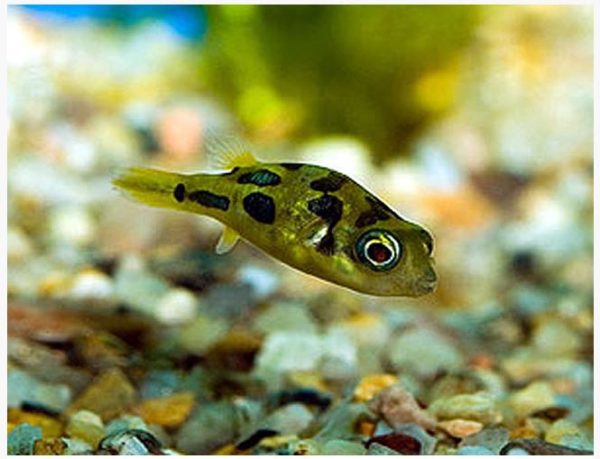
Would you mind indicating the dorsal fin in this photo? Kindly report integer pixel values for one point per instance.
(225, 153)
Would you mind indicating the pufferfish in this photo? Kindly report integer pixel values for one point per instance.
(312, 218)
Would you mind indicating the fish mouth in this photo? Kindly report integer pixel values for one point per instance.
(427, 286)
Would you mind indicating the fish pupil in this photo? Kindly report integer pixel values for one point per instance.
(379, 253)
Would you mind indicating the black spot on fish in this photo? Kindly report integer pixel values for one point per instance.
(260, 207)
(333, 182)
(208, 199)
(330, 209)
(179, 192)
(262, 177)
(292, 166)
(326, 245)
(378, 211)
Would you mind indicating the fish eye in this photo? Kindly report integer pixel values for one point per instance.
(379, 250)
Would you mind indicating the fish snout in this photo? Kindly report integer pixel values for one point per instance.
(427, 281)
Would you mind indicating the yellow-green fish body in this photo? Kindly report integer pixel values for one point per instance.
(310, 217)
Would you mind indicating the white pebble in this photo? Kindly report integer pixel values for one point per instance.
(72, 225)
(91, 285)
(177, 307)
(264, 282)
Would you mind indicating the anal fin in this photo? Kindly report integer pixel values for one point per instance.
(227, 241)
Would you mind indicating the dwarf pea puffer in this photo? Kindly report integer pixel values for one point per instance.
(312, 218)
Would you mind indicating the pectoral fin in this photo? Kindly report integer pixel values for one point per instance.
(227, 241)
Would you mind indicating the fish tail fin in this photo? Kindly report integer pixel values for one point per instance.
(152, 187)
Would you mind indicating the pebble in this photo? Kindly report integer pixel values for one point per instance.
(339, 357)
(199, 335)
(264, 282)
(397, 406)
(282, 352)
(109, 395)
(49, 447)
(169, 412)
(377, 449)
(525, 365)
(50, 426)
(137, 287)
(535, 446)
(290, 419)
(283, 316)
(91, 285)
(398, 442)
(176, 307)
(126, 422)
(371, 385)
(405, 443)
(130, 443)
(567, 433)
(211, 426)
(536, 396)
(76, 447)
(24, 389)
(22, 438)
(72, 225)
(474, 451)
(366, 329)
(460, 428)
(428, 442)
(556, 339)
(492, 438)
(229, 301)
(86, 426)
(475, 407)
(235, 351)
(423, 352)
(342, 448)
(159, 383)
(101, 351)
(340, 421)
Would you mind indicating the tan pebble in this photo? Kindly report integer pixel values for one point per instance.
(536, 396)
(86, 426)
(461, 428)
(561, 428)
(371, 385)
(398, 406)
(479, 406)
(49, 447)
(51, 428)
(109, 395)
(169, 412)
(527, 430)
